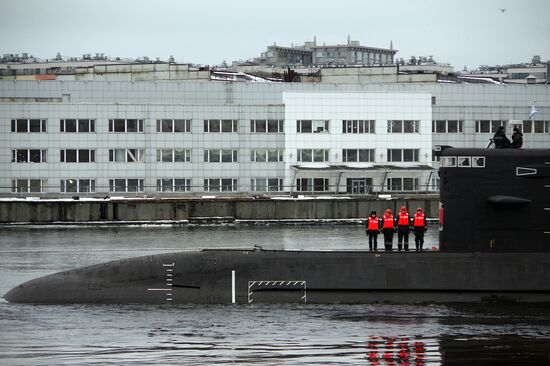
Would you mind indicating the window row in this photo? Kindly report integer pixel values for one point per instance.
(358, 126)
(463, 161)
(312, 126)
(212, 155)
(447, 126)
(403, 126)
(271, 126)
(221, 125)
(395, 184)
(266, 155)
(266, 126)
(28, 125)
(77, 156)
(125, 125)
(535, 127)
(124, 185)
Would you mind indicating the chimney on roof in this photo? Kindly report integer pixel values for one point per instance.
(315, 40)
(349, 40)
(391, 45)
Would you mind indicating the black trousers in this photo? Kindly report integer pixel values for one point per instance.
(388, 239)
(373, 239)
(419, 237)
(402, 235)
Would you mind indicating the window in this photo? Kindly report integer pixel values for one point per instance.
(174, 185)
(173, 125)
(220, 185)
(313, 155)
(28, 125)
(536, 126)
(28, 156)
(223, 125)
(487, 126)
(126, 155)
(402, 155)
(434, 184)
(448, 161)
(125, 125)
(447, 126)
(358, 126)
(402, 184)
(478, 161)
(77, 156)
(358, 185)
(464, 161)
(312, 184)
(312, 126)
(266, 184)
(358, 155)
(263, 155)
(269, 126)
(403, 126)
(126, 185)
(223, 156)
(77, 125)
(173, 155)
(77, 185)
(28, 185)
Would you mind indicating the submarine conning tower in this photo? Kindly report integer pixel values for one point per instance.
(494, 200)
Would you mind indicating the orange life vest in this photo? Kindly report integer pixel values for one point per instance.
(388, 222)
(403, 219)
(419, 220)
(373, 223)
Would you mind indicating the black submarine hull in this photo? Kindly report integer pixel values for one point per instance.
(259, 276)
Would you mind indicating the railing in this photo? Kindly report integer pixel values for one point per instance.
(198, 191)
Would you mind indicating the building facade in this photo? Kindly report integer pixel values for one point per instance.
(312, 54)
(204, 137)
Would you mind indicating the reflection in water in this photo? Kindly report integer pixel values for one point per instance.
(404, 350)
(277, 334)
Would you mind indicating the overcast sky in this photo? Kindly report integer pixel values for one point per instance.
(463, 32)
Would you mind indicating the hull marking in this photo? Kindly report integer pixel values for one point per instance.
(232, 287)
(277, 285)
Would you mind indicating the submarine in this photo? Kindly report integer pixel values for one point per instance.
(494, 245)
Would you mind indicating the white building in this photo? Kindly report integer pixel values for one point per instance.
(151, 137)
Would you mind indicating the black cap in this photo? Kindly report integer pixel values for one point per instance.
(373, 212)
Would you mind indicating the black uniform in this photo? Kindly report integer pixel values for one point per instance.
(517, 140)
(500, 139)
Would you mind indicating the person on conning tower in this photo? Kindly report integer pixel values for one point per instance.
(517, 139)
(500, 139)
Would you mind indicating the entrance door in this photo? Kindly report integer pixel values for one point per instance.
(358, 186)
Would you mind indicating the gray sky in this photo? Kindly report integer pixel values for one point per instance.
(466, 32)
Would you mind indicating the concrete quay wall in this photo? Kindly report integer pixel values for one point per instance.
(151, 210)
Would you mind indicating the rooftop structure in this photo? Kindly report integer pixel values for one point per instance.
(534, 72)
(312, 54)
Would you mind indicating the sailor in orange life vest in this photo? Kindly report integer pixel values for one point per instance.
(403, 223)
(373, 229)
(388, 227)
(420, 226)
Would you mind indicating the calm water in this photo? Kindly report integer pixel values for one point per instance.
(266, 334)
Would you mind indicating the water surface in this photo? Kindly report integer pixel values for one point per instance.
(295, 334)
